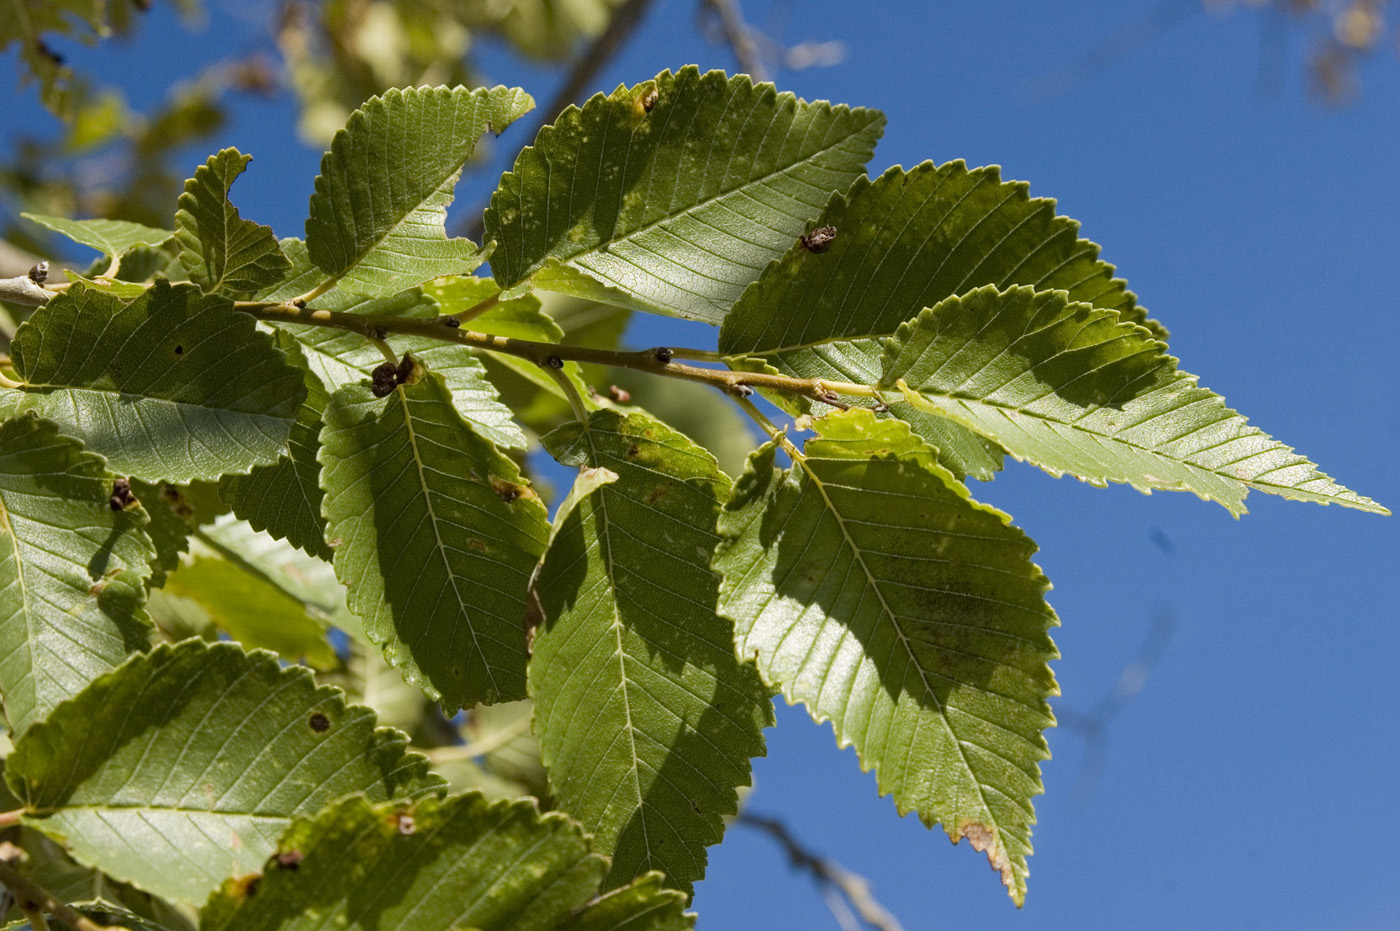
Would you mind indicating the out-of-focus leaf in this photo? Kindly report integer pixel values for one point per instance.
(182, 767)
(675, 193)
(378, 213)
(72, 570)
(171, 387)
(31, 23)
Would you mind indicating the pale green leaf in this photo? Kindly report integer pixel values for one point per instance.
(436, 535)
(646, 719)
(221, 250)
(72, 570)
(378, 213)
(644, 905)
(1075, 389)
(671, 196)
(284, 498)
(250, 609)
(869, 586)
(433, 866)
(110, 237)
(181, 768)
(905, 242)
(171, 387)
(339, 358)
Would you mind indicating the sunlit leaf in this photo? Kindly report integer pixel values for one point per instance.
(72, 570)
(869, 586)
(902, 243)
(431, 866)
(674, 194)
(183, 767)
(435, 534)
(645, 717)
(221, 250)
(110, 237)
(1074, 389)
(171, 387)
(378, 213)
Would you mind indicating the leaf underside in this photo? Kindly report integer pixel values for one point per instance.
(868, 585)
(439, 866)
(435, 534)
(110, 237)
(1076, 390)
(671, 196)
(380, 205)
(183, 767)
(72, 570)
(646, 719)
(904, 242)
(170, 387)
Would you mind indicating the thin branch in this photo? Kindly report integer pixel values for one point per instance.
(570, 392)
(657, 361)
(832, 879)
(739, 36)
(24, 290)
(32, 897)
(10, 818)
(483, 746)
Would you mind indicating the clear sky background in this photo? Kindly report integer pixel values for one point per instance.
(1251, 783)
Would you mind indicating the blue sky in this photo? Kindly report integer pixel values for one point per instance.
(1250, 783)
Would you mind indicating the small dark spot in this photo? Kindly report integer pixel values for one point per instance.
(299, 304)
(179, 350)
(619, 395)
(695, 808)
(506, 491)
(122, 499)
(452, 322)
(403, 821)
(633, 450)
(288, 859)
(318, 722)
(663, 354)
(553, 362)
(29, 905)
(650, 98)
(818, 240)
(250, 888)
(383, 380)
(742, 391)
(39, 273)
(378, 333)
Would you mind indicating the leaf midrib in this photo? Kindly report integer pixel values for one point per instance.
(903, 639)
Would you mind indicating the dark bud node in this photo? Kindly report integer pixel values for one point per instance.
(43, 48)
(663, 354)
(553, 362)
(379, 333)
(818, 240)
(619, 395)
(452, 322)
(299, 304)
(122, 498)
(742, 391)
(39, 273)
(383, 380)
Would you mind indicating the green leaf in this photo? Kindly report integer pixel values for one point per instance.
(869, 585)
(340, 358)
(285, 498)
(72, 570)
(645, 717)
(436, 534)
(251, 610)
(378, 213)
(171, 387)
(644, 905)
(175, 512)
(221, 250)
(671, 196)
(110, 237)
(182, 767)
(905, 242)
(31, 23)
(433, 866)
(1075, 389)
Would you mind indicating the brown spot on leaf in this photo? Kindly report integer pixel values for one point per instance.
(122, 499)
(818, 240)
(985, 839)
(509, 491)
(650, 98)
(288, 859)
(404, 823)
(633, 449)
(619, 395)
(318, 722)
